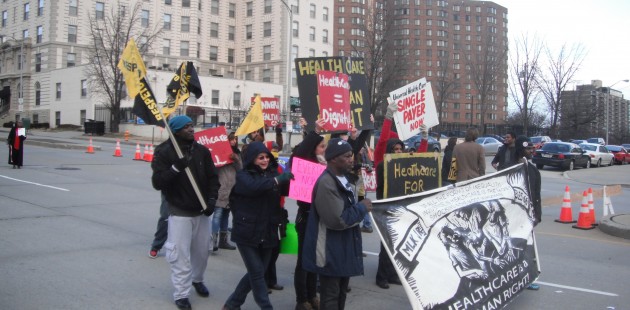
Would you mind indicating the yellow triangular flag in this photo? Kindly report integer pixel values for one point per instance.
(132, 68)
(254, 119)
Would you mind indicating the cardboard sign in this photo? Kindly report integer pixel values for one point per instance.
(334, 104)
(306, 174)
(369, 180)
(416, 106)
(306, 72)
(271, 110)
(406, 174)
(216, 140)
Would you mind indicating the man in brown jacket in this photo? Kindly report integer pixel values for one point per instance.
(470, 157)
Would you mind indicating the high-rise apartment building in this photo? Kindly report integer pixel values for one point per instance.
(240, 48)
(459, 46)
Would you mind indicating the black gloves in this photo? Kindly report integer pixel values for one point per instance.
(180, 164)
(210, 204)
(284, 177)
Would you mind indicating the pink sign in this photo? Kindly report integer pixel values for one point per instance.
(369, 180)
(306, 174)
(215, 139)
(334, 100)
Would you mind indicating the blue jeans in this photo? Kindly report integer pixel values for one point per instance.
(367, 221)
(220, 219)
(256, 260)
(161, 234)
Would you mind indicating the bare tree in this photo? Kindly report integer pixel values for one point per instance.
(524, 74)
(109, 33)
(561, 68)
(535, 119)
(445, 83)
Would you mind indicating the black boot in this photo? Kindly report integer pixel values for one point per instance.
(215, 242)
(223, 241)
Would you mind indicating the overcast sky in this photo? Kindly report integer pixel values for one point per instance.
(602, 27)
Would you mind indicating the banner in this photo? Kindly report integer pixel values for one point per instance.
(416, 106)
(369, 180)
(270, 110)
(306, 71)
(407, 174)
(184, 82)
(306, 174)
(464, 246)
(334, 96)
(216, 140)
(254, 119)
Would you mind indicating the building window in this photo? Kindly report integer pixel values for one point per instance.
(248, 75)
(214, 7)
(236, 99)
(214, 30)
(166, 47)
(167, 22)
(311, 35)
(267, 52)
(40, 8)
(266, 75)
(71, 60)
(313, 10)
(57, 118)
(325, 15)
(231, 33)
(215, 96)
(82, 116)
(24, 33)
(40, 33)
(311, 52)
(294, 52)
(325, 36)
(185, 23)
(19, 63)
(186, 3)
(72, 34)
(248, 32)
(83, 88)
(73, 8)
(232, 10)
(184, 47)
(100, 10)
(296, 29)
(231, 55)
(38, 93)
(5, 18)
(168, 2)
(295, 7)
(58, 91)
(214, 52)
(198, 50)
(38, 62)
(248, 54)
(144, 18)
(250, 8)
(27, 9)
(267, 29)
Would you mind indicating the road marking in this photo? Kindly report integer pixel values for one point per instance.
(370, 253)
(38, 184)
(583, 238)
(578, 289)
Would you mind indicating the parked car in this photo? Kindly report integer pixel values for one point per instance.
(577, 141)
(539, 141)
(599, 154)
(599, 141)
(621, 154)
(561, 154)
(412, 144)
(490, 145)
(499, 138)
(626, 146)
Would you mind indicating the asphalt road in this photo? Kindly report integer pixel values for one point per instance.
(75, 230)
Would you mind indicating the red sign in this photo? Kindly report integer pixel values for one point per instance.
(334, 100)
(216, 140)
(369, 180)
(271, 110)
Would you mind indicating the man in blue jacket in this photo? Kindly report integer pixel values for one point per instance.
(332, 246)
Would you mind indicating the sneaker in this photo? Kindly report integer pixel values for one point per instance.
(153, 253)
(368, 230)
(533, 287)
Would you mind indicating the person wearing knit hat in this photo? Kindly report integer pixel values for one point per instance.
(178, 122)
(336, 147)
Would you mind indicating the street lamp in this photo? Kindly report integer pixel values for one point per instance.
(607, 107)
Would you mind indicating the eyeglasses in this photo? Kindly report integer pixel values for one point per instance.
(262, 157)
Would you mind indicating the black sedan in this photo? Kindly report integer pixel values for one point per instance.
(412, 144)
(561, 154)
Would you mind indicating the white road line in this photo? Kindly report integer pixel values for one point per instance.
(38, 184)
(577, 289)
(370, 253)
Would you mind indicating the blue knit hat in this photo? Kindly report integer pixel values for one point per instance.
(178, 122)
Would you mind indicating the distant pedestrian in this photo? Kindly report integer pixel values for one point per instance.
(447, 159)
(227, 178)
(16, 138)
(161, 232)
(506, 155)
(469, 157)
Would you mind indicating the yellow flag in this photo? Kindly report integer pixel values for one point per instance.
(254, 119)
(132, 68)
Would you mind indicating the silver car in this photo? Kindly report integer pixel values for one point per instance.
(490, 145)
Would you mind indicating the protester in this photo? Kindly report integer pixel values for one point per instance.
(16, 145)
(333, 245)
(254, 136)
(447, 159)
(161, 233)
(271, 277)
(255, 202)
(188, 241)
(470, 157)
(506, 155)
(227, 178)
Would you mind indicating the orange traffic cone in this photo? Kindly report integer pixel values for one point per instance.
(591, 207)
(145, 155)
(584, 220)
(90, 148)
(150, 157)
(137, 156)
(566, 213)
(117, 152)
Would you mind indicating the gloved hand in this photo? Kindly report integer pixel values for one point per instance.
(424, 131)
(391, 108)
(210, 204)
(180, 164)
(284, 177)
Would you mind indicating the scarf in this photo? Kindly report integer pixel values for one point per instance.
(16, 139)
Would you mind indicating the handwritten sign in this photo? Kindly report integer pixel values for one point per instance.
(407, 174)
(306, 174)
(216, 140)
(415, 106)
(334, 104)
(369, 180)
(271, 110)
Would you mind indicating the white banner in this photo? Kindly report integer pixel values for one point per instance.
(416, 106)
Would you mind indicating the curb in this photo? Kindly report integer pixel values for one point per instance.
(612, 226)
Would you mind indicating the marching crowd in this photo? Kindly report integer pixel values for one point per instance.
(253, 188)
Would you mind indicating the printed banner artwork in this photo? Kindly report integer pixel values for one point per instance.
(306, 71)
(476, 237)
(369, 180)
(216, 140)
(184, 81)
(306, 174)
(416, 106)
(270, 110)
(407, 174)
(334, 104)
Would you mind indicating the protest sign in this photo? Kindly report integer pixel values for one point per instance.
(334, 105)
(270, 110)
(415, 106)
(406, 174)
(369, 180)
(216, 140)
(306, 174)
(476, 237)
(282, 162)
(306, 72)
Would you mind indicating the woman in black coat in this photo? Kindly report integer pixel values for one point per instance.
(16, 146)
